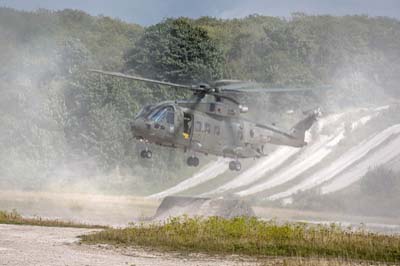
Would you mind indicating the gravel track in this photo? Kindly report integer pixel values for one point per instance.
(48, 246)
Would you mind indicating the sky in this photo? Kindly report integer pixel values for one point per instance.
(148, 12)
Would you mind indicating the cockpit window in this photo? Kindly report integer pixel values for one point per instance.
(165, 114)
(170, 117)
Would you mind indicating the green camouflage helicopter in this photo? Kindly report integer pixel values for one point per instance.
(212, 124)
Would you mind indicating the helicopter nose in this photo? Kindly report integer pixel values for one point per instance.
(135, 127)
(138, 127)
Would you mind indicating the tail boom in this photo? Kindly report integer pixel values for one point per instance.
(296, 137)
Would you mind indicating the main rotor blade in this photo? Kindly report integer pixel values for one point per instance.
(225, 82)
(243, 87)
(257, 88)
(238, 86)
(121, 75)
(270, 90)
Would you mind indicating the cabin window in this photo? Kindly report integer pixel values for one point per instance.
(198, 126)
(207, 128)
(217, 130)
(212, 107)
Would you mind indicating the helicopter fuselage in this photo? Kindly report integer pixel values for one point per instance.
(208, 128)
(211, 123)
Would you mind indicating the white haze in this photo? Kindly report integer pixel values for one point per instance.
(35, 156)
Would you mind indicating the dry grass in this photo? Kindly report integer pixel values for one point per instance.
(255, 237)
(324, 262)
(14, 217)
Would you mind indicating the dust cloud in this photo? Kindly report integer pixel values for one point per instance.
(40, 173)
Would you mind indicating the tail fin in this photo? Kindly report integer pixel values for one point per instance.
(298, 131)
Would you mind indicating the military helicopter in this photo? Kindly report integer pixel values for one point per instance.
(212, 124)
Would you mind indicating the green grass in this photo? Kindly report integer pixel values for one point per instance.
(251, 236)
(14, 217)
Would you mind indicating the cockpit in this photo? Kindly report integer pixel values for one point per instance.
(165, 114)
(155, 120)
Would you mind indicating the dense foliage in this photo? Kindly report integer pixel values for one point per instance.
(57, 120)
(381, 183)
(177, 51)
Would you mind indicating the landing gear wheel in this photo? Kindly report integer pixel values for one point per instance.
(193, 161)
(196, 161)
(232, 166)
(235, 166)
(146, 154)
(238, 166)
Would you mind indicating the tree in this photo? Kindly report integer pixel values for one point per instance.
(177, 51)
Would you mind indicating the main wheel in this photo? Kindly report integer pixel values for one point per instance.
(143, 154)
(238, 166)
(149, 154)
(189, 161)
(232, 165)
(196, 161)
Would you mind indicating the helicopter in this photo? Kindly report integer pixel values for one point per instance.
(211, 122)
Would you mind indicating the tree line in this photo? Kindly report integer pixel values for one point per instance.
(57, 119)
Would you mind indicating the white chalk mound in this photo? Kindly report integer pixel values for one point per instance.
(173, 206)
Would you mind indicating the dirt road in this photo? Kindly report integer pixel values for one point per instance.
(45, 246)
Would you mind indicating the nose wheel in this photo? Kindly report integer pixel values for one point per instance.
(235, 166)
(193, 161)
(146, 154)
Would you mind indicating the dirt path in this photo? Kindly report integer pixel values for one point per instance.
(45, 246)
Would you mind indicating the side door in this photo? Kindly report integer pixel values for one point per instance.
(184, 128)
(234, 133)
(198, 132)
(215, 138)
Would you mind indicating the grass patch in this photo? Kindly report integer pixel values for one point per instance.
(14, 217)
(251, 236)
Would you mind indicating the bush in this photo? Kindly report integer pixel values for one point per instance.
(381, 182)
(252, 236)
